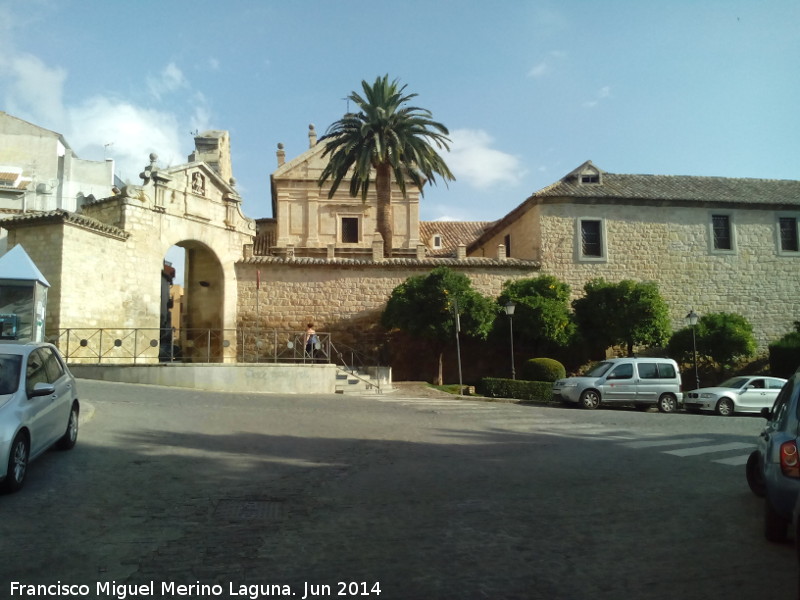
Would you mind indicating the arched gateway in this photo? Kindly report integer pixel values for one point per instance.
(105, 262)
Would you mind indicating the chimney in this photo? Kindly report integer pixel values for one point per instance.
(461, 251)
(281, 154)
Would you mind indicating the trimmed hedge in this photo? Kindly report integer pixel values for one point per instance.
(784, 355)
(541, 391)
(543, 369)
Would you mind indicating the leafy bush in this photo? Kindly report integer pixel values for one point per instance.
(541, 391)
(627, 313)
(722, 337)
(543, 369)
(784, 355)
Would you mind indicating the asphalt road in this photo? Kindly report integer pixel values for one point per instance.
(183, 494)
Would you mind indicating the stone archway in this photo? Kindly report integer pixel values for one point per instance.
(202, 333)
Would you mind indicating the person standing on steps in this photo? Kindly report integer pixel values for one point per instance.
(311, 340)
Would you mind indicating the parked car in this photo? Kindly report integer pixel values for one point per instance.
(736, 395)
(38, 407)
(773, 469)
(643, 382)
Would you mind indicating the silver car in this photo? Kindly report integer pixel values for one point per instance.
(38, 407)
(744, 394)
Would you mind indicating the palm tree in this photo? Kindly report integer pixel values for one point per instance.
(389, 137)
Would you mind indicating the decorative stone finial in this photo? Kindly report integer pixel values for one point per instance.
(312, 136)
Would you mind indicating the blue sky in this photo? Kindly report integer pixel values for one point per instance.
(528, 89)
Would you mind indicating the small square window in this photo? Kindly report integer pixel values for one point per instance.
(590, 178)
(350, 230)
(437, 241)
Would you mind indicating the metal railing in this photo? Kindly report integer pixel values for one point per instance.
(152, 345)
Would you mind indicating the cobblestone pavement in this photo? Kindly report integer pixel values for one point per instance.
(429, 498)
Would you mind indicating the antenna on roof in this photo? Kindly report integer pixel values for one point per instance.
(348, 103)
(194, 133)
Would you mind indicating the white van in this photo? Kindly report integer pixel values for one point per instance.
(642, 382)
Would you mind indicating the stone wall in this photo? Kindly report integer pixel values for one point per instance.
(346, 298)
(672, 246)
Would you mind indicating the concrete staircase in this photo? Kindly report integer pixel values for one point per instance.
(354, 381)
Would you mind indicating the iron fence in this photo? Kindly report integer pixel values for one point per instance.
(152, 345)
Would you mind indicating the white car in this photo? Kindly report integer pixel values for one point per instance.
(737, 394)
(38, 407)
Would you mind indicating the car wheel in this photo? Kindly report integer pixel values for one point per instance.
(775, 526)
(755, 478)
(725, 407)
(590, 399)
(70, 436)
(17, 464)
(667, 403)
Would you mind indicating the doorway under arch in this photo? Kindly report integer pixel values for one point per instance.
(197, 333)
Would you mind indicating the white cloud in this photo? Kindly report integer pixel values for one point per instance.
(545, 67)
(104, 126)
(602, 93)
(539, 70)
(134, 131)
(472, 159)
(26, 78)
(169, 80)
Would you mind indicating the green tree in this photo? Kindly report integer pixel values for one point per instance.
(423, 306)
(541, 316)
(390, 137)
(721, 337)
(627, 313)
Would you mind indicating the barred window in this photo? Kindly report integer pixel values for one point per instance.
(788, 230)
(591, 239)
(721, 225)
(350, 230)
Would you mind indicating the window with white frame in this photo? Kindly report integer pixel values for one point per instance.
(437, 242)
(788, 239)
(591, 239)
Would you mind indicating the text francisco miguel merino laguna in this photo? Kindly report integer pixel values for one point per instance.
(122, 591)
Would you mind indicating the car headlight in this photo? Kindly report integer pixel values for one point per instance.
(706, 396)
(570, 384)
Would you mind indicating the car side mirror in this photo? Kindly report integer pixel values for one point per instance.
(766, 413)
(42, 389)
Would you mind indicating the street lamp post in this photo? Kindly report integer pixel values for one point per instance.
(692, 317)
(458, 345)
(510, 306)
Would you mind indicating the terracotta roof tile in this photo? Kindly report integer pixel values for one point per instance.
(453, 233)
